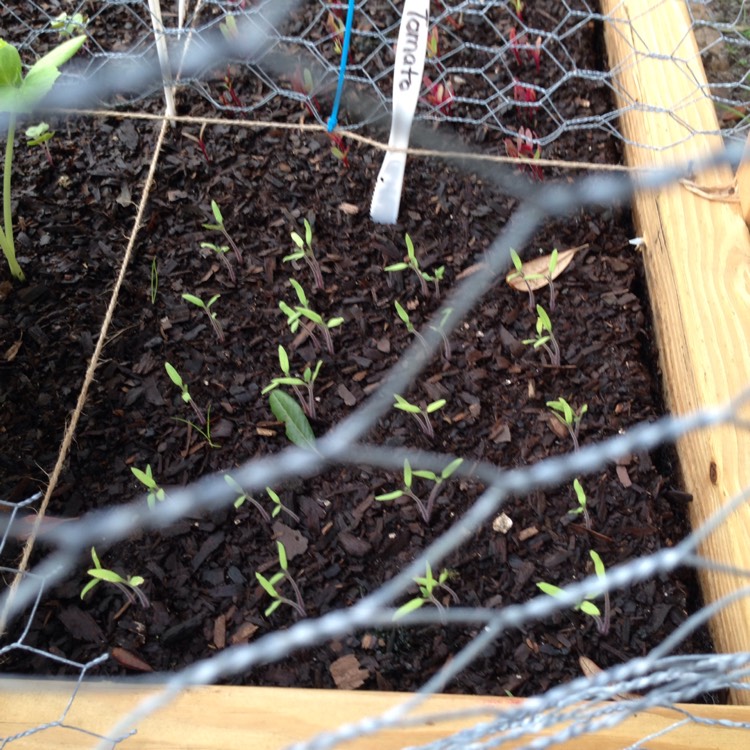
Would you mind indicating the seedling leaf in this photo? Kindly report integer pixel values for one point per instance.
(537, 272)
(287, 410)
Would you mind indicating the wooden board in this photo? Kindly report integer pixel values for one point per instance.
(697, 260)
(272, 718)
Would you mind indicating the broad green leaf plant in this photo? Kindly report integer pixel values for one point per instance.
(18, 95)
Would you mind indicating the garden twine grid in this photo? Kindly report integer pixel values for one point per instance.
(665, 679)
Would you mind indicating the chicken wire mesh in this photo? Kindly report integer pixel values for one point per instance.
(480, 78)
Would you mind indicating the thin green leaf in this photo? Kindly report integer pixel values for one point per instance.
(197, 301)
(273, 607)
(90, 585)
(410, 606)
(407, 473)
(598, 564)
(267, 585)
(435, 405)
(216, 211)
(403, 315)
(301, 296)
(589, 608)
(174, 376)
(144, 477)
(103, 574)
(451, 467)
(283, 563)
(397, 267)
(95, 558)
(395, 495)
(410, 248)
(287, 410)
(549, 589)
(135, 581)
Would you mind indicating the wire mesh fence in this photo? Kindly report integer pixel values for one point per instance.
(488, 64)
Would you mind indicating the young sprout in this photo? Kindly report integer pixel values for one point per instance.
(176, 378)
(305, 252)
(128, 586)
(228, 28)
(420, 414)
(519, 273)
(566, 416)
(425, 508)
(412, 262)
(204, 432)
(545, 338)
(306, 381)
(66, 25)
(295, 315)
(218, 226)
(587, 606)
(38, 135)
(206, 307)
(242, 496)
(269, 586)
(446, 344)
(19, 94)
(406, 320)
(146, 478)
(428, 588)
(221, 251)
(154, 280)
(582, 508)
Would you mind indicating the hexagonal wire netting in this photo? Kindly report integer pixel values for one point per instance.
(483, 51)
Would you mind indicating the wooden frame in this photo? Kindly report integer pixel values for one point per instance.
(697, 258)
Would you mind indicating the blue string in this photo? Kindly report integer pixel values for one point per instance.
(333, 119)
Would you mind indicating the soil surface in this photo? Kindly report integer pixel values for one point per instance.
(72, 220)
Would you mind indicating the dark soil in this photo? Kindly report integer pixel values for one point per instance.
(72, 221)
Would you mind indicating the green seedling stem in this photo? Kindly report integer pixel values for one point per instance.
(412, 262)
(587, 606)
(307, 381)
(221, 251)
(206, 307)
(545, 338)
(39, 135)
(567, 416)
(269, 586)
(305, 252)
(425, 508)
(302, 315)
(519, 273)
(204, 432)
(420, 414)
(129, 586)
(428, 588)
(146, 478)
(582, 508)
(176, 378)
(218, 226)
(242, 496)
(154, 280)
(19, 94)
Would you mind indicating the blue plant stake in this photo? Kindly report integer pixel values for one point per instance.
(333, 119)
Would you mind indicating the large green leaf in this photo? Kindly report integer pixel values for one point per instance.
(10, 65)
(287, 410)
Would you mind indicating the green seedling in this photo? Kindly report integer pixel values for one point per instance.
(406, 320)
(269, 586)
(228, 28)
(312, 320)
(218, 226)
(221, 251)
(176, 378)
(565, 415)
(306, 381)
(428, 588)
(519, 273)
(19, 94)
(290, 413)
(305, 252)
(446, 343)
(420, 414)
(204, 431)
(66, 25)
(129, 586)
(412, 262)
(154, 280)
(206, 307)
(146, 478)
(425, 508)
(545, 338)
(582, 508)
(587, 606)
(242, 496)
(39, 135)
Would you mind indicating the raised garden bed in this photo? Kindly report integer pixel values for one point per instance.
(200, 573)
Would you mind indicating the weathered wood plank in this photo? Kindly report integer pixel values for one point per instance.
(697, 260)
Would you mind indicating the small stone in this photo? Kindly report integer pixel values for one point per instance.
(502, 524)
